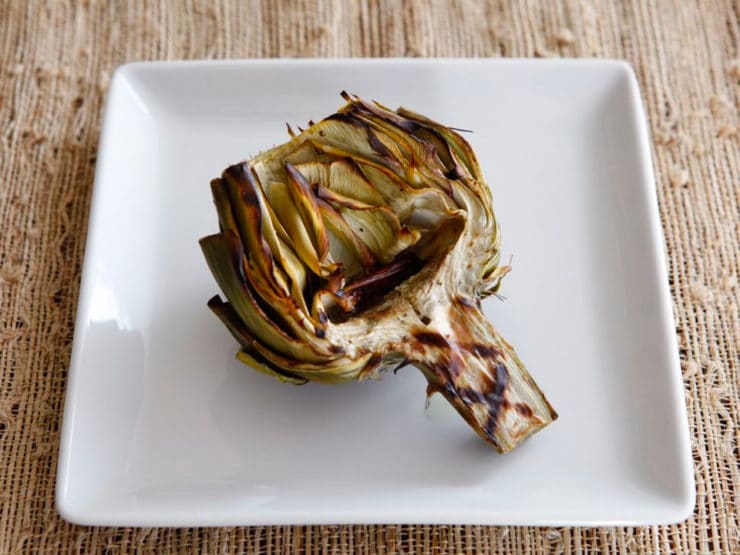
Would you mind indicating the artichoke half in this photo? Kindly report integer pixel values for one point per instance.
(365, 243)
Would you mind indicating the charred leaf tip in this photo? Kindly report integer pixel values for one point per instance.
(205, 241)
(237, 171)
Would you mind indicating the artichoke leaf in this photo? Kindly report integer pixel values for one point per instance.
(230, 318)
(403, 199)
(305, 201)
(287, 214)
(284, 369)
(224, 256)
(422, 161)
(269, 361)
(380, 230)
(347, 181)
(344, 244)
(278, 240)
(459, 146)
(249, 208)
(222, 201)
(348, 137)
(268, 370)
(316, 173)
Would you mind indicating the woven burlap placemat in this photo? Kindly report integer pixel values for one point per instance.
(56, 59)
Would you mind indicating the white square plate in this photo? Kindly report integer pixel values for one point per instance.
(163, 426)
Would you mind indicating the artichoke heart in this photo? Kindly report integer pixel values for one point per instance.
(365, 243)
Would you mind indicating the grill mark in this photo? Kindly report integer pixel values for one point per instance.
(484, 351)
(502, 379)
(490, 392)
(496, 398)
(431, 338)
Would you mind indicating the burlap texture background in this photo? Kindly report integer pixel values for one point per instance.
(56, 59)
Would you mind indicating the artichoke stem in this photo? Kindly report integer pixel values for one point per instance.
(477, 371)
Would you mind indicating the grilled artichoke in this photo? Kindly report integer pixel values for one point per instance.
(363, 244)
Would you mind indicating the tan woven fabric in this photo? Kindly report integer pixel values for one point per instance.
(55, 62)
